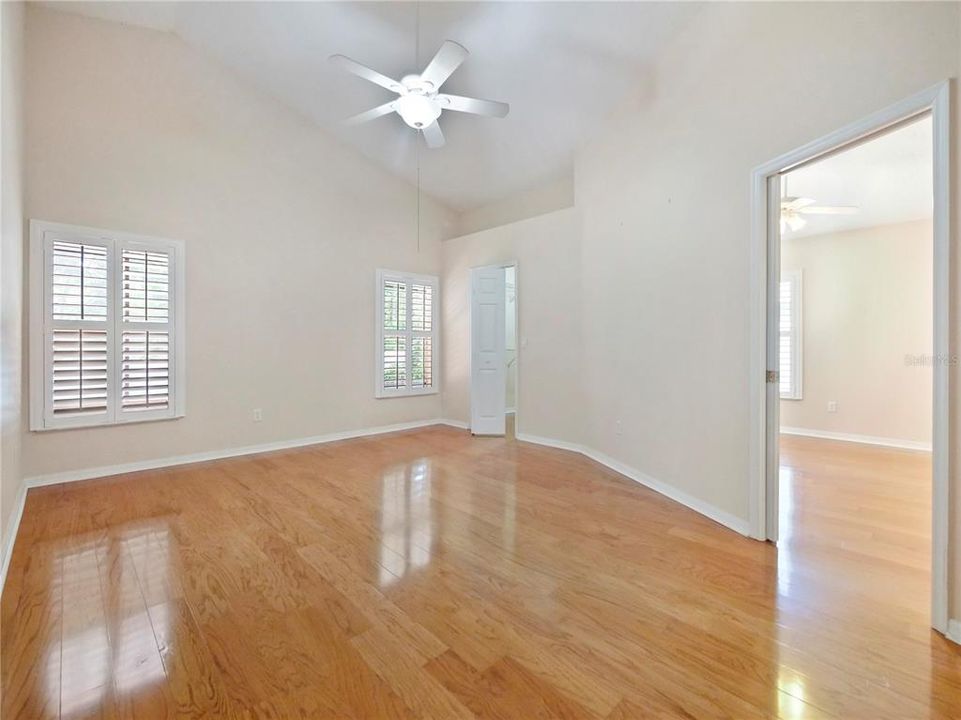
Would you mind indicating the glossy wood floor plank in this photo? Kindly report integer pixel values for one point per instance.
(432, 575)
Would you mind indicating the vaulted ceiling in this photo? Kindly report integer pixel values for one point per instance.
(561, 66)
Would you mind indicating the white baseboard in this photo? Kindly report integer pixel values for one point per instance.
(108, 470)
(954, 631)
(551, 442)
(865, 439)
(10, 536)
(510, 411)
(723, 517)
(460, 424)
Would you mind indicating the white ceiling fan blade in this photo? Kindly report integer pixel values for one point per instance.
(475, 106)
(433, 136)
(795, 203)
(371, 114)
(445, 62)
(352, 66)
(829, 210)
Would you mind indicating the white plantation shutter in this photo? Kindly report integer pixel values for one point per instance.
(789, 335)
(105, 340)
(146, 286)
(395, 362)
(145, 343)
(79, 281)
(78, 331)
(420, 363)
(78, 372)
(421, 327)
(145, 370)
(406, 334)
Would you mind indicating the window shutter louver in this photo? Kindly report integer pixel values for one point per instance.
(395, 362)
(422, 320)
(789, 322)
(79, 371)
(145, 370)
(421, 362)
(395, 305)
(79, 281)
(421, 304)
(145, 341)
(146, 286)
(406, 334)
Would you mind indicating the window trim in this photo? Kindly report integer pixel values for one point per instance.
(381, 276)
(42, 234)
(796, 278)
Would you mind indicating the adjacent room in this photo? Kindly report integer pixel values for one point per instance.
(855, 376)
(480, 360)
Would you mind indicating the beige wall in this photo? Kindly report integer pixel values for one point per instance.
(664, 195)
(128, 129)
(546, 249)
(11, 260)
(866, 307)
(550, 196)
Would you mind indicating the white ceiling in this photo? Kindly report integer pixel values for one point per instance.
(561, 66)
(889, 178)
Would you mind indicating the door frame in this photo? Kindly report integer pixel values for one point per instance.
(470, 339)
(765, 251)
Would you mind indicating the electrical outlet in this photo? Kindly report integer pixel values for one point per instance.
(832, 406)
(258, 415)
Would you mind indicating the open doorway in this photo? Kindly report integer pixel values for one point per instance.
(767, 213)
(493, 350)
(855, 327)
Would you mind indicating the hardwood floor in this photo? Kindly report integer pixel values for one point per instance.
(430, 575)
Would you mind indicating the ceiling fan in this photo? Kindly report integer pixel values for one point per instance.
(420, 101)
(793, 209)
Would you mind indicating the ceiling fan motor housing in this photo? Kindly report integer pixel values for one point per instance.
(418, 104)
(418, 110)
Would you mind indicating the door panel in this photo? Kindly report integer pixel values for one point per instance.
(488, 351)
(773, 420)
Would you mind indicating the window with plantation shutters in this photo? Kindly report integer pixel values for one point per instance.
(105, 318)
(789, 335)
(405, 361)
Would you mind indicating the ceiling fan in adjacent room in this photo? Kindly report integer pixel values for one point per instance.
(793, 209)
(420, 101)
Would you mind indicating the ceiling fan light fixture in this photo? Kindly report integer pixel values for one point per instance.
(417, 110)
(419, 104)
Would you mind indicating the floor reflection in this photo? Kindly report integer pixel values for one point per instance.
(406, 529)
(108, 642)
(786, 509)
(791, 703)
(853, 566)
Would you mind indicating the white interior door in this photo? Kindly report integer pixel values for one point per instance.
(488, 371)
(773, 387)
